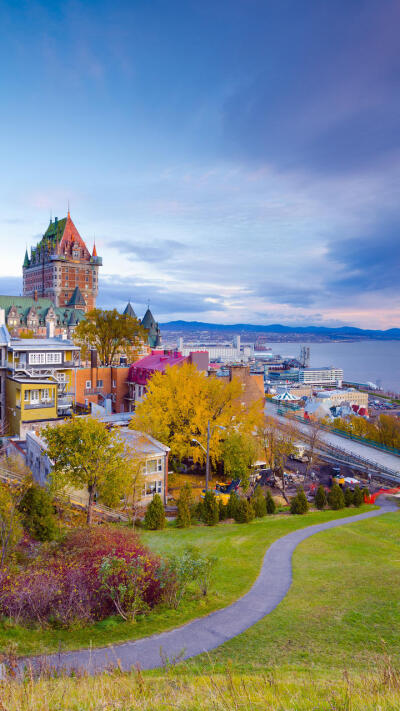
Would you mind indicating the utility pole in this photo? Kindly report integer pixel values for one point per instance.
(208, 455)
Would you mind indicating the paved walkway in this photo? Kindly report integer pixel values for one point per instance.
(206, 633)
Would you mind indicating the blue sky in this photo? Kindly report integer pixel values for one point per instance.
(235, 160)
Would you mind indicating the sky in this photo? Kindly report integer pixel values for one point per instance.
(236, 161)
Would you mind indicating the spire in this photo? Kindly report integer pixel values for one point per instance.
(68, 210)
(94, 253)
(26, 260)
(129, 310)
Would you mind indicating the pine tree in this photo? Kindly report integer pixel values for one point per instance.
(154, 519)
(222, 510)
(299, 503)
(320, 498)
(270, 503)
(37, 512)
(336, 498)
(348, 497)
(244, 511)
(232, 504)
(210, 509)
(184, 507)
(259, 503)
(358, 498)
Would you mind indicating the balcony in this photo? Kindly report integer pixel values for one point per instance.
(94, 391)
(40, 405)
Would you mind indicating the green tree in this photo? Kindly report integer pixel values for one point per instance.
(348, 497)
(239, 452)
(336, 498)
(232, 505)
(154, 518)
(210, 509)
(86, 454)
(37, 511)
(110, 334)
(358, 498)
(270, 503)
(259, 503)
(320, 498)
(244, 512)
(222, 510)
(125, 581)
(299, 503)
(184, 507)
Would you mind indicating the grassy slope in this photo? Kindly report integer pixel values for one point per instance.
(239, 548)
(342, 611)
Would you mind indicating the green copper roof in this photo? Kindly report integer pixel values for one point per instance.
(23, 304)
(129, 310)
(26, 260)
(55, 230)
(77, 298)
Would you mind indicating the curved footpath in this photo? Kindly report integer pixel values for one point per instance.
(206, 633)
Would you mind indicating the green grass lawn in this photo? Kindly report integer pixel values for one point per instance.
(341, 613)
(239, 549)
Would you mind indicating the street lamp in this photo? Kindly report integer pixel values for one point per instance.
(207, 451)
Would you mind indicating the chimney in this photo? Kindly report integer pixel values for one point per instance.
(93, 358)
(35, 297)
(50, 329)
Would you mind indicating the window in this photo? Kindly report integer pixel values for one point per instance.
(154, 465)
(114, 383)
(88, 384)
(99, 383)
(153, 487)
(34, 396)
(53, 357)
(45, 394)
(27, 395)
(37, 358)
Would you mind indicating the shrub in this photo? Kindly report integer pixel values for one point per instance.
(154, 519)
(222, 510)
(320, 498)
(336, 498)
(126, 583)
(244, 511)
(366, 493)
(63, 586)
(299, 503)
(232, 504)
(358, 498)
(37, 511)
(270, 503)
(259, 503)
(210, 509)
(348, 497)
(184, 518)
(185, 569)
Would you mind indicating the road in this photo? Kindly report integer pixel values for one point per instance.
(384, 461)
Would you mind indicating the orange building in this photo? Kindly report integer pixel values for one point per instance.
(252, 384)
(95, 384)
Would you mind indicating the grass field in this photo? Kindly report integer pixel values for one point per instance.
(239, 549)
(333, 644)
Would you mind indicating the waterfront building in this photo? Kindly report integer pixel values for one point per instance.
(39, 381)
(61, 268)
(225, 353)
(321, 376)
(158, 361)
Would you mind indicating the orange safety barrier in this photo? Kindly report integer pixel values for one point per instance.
(373, 498)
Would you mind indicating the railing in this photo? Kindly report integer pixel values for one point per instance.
(93, 391)
(39, 405)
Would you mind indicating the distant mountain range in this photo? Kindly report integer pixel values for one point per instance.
(344, 332)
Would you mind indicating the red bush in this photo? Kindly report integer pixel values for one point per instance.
(63, 586)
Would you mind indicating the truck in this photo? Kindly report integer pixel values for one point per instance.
(299, 452)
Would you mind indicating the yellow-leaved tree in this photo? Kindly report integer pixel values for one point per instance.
(179, 405)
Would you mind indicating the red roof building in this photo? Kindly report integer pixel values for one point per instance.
(158, 361)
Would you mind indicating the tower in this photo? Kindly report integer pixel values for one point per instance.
(60, 264)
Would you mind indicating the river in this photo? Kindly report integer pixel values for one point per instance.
(362, 361)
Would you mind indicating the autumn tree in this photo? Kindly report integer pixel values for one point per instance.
(178, 406)
(86, 454)
(276, 441)
(11, 495)
(110, 334)
(313, 438)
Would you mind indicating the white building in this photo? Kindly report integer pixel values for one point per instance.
(234, 353)
(321, 376)
(152, 455)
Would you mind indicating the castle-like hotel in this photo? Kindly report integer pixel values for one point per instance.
(60, 284)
